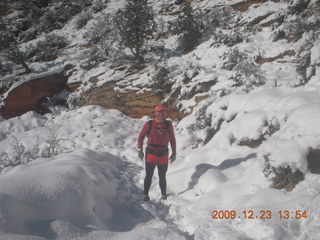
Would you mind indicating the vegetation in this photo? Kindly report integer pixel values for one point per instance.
(136, 25)
(188, 27)
(9, 47)
(282, 177)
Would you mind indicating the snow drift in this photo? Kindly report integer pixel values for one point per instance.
(80, 188)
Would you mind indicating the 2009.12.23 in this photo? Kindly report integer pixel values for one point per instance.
(263, 214)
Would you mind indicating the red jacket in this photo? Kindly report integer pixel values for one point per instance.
(158, 139)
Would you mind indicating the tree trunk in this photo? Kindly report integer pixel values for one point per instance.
(18, 57)
(137, 55)
(25, 66)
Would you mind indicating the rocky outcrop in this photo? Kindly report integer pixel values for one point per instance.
(313, 158)
(130, 102)
(28, 95)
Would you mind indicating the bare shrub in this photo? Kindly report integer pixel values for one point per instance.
(282, 177)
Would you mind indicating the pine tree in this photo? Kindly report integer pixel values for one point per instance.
(135, 24)
(188, 27)
(9, 47)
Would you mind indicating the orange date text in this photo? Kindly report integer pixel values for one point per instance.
(262, 214)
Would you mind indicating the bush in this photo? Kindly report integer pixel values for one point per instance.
(68, 9)
(100, 31)
(99, 6)
(282, 177)
(210, 19)
(83, 20)
(22, 154)
(299, 6)
(295, 29)
(59, 16)
(48, 49)
(229, 40)
(248, 72)
(49, 22)
(159, 83)
(98, 53)
(29, 35)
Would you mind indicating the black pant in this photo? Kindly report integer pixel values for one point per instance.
(162, 170)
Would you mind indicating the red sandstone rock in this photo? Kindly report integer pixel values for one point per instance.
(28, 95)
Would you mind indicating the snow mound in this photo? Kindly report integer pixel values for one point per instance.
(249, 126)
(80, 188)
(211, 179)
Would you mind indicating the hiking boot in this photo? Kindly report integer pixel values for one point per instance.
(146, 198)
(163, 197)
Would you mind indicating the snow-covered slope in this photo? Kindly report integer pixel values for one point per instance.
(95, 190)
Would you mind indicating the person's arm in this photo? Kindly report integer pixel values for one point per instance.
(142, 135)
(172, 140)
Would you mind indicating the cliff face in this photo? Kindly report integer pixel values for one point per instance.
(130, 102)
(28, 95)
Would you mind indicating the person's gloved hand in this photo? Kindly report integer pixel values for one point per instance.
(141, 155)
(172, 157)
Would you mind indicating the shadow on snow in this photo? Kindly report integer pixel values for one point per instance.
(204, 167)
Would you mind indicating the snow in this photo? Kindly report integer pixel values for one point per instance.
(79, 177)
(94, 189)
(315, 54)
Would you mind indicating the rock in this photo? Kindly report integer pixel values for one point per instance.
(130, 102)
(313, 158)
(28, 95)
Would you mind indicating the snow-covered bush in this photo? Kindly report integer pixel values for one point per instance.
(19, 156)
(74, 101)
(159, 84)
(282, 177)
(228, 39)
(297, 6)
(203, 123)
(20, 153)
(68, 9)
(32, 9)
(247, 74)
(58, 16)
(202, 120)
(99, 5)
(29, 35)
(306, 67)
(102, 51)
(295, 28)
(48, 22)
(83, 20)
(100, 31)
(48, 49)
(211, 19)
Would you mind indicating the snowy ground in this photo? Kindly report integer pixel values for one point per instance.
(86, 180)
(93, 190)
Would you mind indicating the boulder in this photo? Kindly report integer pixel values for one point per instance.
(28, 95)
(313, 158)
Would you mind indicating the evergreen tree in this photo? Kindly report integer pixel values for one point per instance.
(135, 24)
(188, 27)
(9, 47)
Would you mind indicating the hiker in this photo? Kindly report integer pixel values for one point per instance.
(159, 132)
